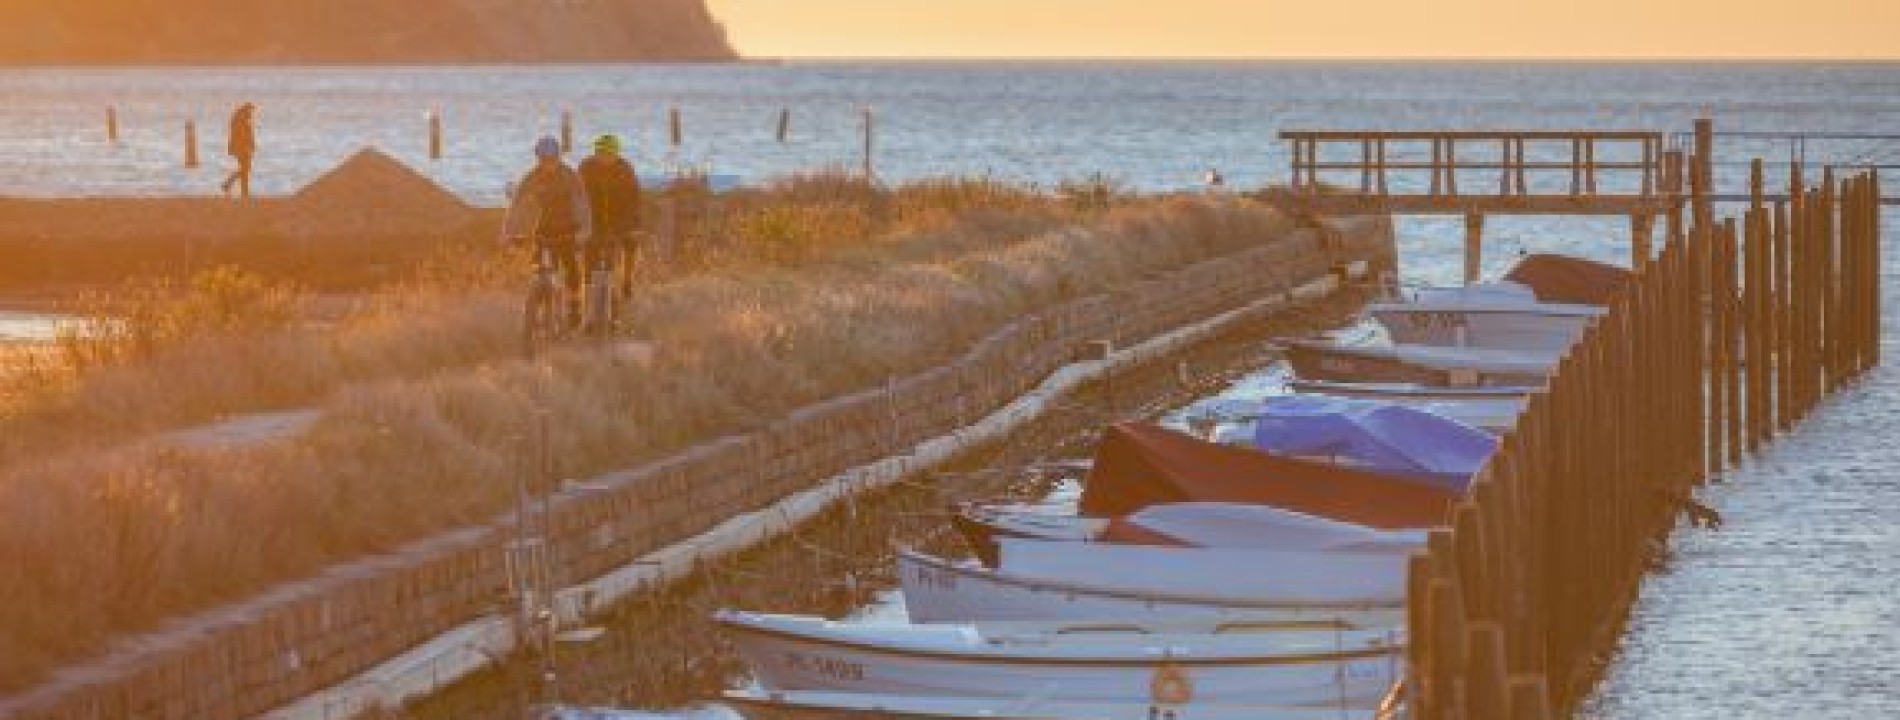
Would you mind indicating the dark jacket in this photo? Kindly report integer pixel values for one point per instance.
(243, 138)
(613, 194)
(550, 203)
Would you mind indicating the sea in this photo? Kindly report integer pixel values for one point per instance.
(1792, 608)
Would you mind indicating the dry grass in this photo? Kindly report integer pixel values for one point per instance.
(812, 291)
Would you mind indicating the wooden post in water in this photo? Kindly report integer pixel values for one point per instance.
(1487, 689)
(112, 124)
(675, 130)
(1780, 238)
(870, 133)
(1755, 253)
(191, 144)
(1530, 698)
(1642, 226)
(1419, 648)
(1474, 246)
(435, 134)
(1731, 362)
(784, 125)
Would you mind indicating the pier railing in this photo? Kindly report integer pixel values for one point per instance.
(1733, 334)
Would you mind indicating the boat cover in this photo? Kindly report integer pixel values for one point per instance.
(1383, 437)
(1565, 279)
(1140, 464)
(1233, 525)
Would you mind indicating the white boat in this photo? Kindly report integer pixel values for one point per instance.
(1315, 359)
(1368, 575)
(943, 591)
(818, 705)
(1491, 408)
(1238, 664)
(1502, 315)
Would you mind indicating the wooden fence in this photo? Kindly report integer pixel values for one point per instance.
(302, 637)
(1734, 334)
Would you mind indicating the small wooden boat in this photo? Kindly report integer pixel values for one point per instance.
(1492, 315)
(1543, 303)
(1140, 464)
(1120, 663)
(1419, 364)
(944, 591)
(1492, 408)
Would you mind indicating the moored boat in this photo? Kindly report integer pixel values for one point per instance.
(1436, 365)
(944, 591)
(1492, 315)
(1141, 464)
(1494, 409)
(1239, 664)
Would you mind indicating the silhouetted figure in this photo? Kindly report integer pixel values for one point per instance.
(613, 189)
(242, 145)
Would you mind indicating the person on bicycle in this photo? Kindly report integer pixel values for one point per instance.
(550, 207)
(613, 189)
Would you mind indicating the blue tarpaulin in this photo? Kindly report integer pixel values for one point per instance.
(1379, 437)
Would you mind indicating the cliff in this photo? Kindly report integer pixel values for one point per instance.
(262, 32)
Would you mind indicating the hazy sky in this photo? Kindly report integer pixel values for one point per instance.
(1314, 28)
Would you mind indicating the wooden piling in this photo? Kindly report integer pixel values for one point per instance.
(567, 131)
(870, 134)
(1641, 231)
(112, 124)
(784, 125)
(191, 144)
(675, 129)
(435, 134)
(1530, 698)
(1474, 247)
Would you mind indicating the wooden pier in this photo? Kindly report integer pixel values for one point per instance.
(1729, 336)
(1586, 180)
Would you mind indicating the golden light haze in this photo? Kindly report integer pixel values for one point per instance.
(1606, 29)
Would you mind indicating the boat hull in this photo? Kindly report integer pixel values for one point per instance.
(1313, 361)
(1528, 329)
(1493, 409)
(784, 660)
(940, 591)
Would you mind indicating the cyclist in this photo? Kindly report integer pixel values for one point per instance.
(613, 189)
(550, 207)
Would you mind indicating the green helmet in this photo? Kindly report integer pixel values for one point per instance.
(608, 144)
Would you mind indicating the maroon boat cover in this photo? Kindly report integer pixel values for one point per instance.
(1565, 279)
(1141, 464)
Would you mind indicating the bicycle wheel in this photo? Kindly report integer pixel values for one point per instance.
(541, 319)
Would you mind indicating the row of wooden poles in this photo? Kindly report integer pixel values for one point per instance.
(1733, 334)
(675, 125)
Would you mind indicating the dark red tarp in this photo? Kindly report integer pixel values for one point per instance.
(1565, 279)
(1140, 464)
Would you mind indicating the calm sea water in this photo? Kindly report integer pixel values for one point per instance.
(1794, 607)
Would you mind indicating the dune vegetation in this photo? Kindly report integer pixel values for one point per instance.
(422, 395)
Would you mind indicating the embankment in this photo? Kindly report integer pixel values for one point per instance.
(306, 636)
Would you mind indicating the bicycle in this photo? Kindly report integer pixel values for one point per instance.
(599, 291)
(544, 317)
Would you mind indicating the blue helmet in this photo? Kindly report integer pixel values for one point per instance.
(547, 147)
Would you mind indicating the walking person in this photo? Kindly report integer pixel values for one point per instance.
(613, 191)
(241, 143)
(550, 208)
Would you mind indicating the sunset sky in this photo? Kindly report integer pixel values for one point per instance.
(1309, 28)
